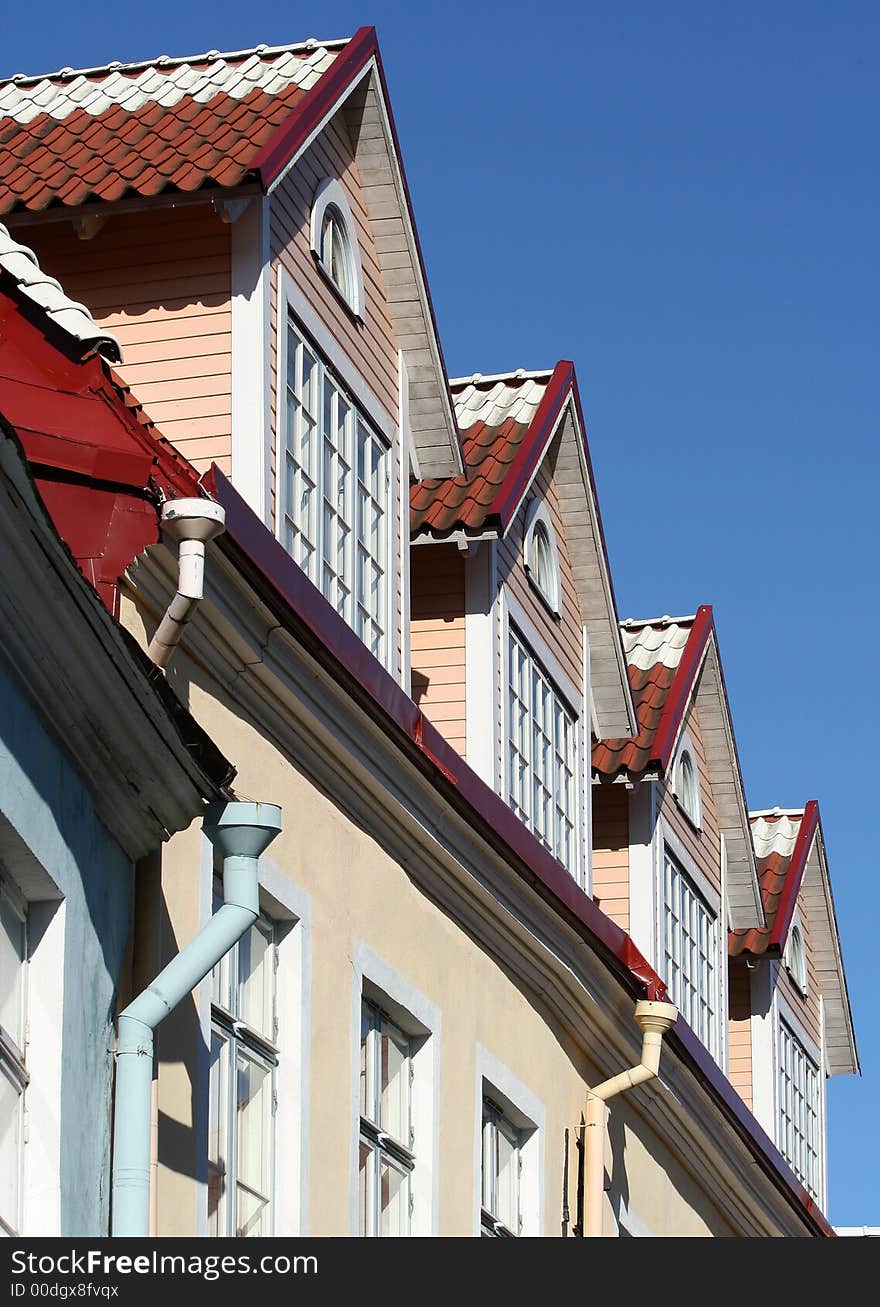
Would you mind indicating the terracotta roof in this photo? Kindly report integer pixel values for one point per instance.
(654, 652)
(782, 844)
(21, 266)
(139, 129)
(496, 417)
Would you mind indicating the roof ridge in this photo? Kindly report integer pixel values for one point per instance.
(22, 265)
(755, 813)
(519, 374)
(632, 623)
(173, 61)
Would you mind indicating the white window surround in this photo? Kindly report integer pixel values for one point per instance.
(290, 909)
(293, 301)
(330, 194)
(667, 841)
(538, 517)
(377, 982)
(510, 612)
(251, 443)
(693, 811)
(796, 955)
(525, 1110)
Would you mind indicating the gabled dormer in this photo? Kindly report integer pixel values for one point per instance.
(673, 861)
(516, 654)
(241, 222)
(790, 1021)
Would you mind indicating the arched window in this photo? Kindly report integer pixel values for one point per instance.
(687, 789)
(540, 555)
(334, 243)
(797, 959)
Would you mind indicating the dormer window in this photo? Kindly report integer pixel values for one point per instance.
(687, 788)
(540, 555)
(334, 244)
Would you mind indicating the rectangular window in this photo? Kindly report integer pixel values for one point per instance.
(502, 1166)
(334, 495)
(13, 1071)
(242, 1099)
(690, 935)
(386, 1157)
(798, 1110)
(541, 754)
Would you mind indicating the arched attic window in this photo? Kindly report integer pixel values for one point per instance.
(334, 244)
(541, 556)
(797, 958)
(687, 788)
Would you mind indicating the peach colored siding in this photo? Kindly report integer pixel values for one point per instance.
(563, 635)
(160, 281)
(437, 636)
(740, 1032)
(611, 852)
(704, 845)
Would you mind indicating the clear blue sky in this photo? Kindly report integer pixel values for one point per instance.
(682, 198)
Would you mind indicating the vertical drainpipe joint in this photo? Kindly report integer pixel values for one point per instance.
(192, 523)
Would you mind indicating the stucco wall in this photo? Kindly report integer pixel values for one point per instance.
(47, 811)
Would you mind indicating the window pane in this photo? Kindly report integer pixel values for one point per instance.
(10, 1142)
(366, 1190)
(393, 1199)
(12, 959)
(691, 953)
(254, 1095)
(394, 1083)
(507, 1184)
(256, 979)
(368, 1088)
(218, 1135)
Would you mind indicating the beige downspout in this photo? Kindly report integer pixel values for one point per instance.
(654, 1019)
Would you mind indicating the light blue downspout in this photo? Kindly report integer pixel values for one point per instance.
(240, 832)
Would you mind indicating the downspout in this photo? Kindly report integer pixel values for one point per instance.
(654, 1019)
(241, 832)
(192, 523)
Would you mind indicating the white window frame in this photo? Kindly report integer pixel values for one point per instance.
(330, 194)
(512, 615)
(537, 515)
(13, 1055)
(668, 844)
(525, 1112)
(800, 976)
(394, 1151)
(786, 1024)
(359, 415)
(420, 1020)
(685, 747)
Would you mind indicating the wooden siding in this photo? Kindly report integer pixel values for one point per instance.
(437, 636)
(703, 846)
(611, 851)
(739, 1031)
(806, 1009)
(160, 280)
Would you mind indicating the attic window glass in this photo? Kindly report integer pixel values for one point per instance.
(335, 253)
(687, 790)
(797, 961)
(540, 555)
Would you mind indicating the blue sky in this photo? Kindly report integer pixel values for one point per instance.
(684, 200)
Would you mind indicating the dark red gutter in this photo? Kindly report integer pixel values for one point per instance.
(794, 876)
(287, 591)
(679, 691)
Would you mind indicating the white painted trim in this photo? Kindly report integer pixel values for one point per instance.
(368, 68)
(407, 1002)
(586, 773)
(724, 1006)
(643, 881)
(797, 925)
(686, 746)
(763, 1034)
(251, 327)
(330, 193)
(289, 907)
(681, 854)
(41, 1151)
(529, 1115)
(537, 513)
(784, 1012)
(531, 481)
(514, 612)
(480, 584)
(405, 460)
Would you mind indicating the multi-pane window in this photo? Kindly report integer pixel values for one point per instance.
(13, 1072)
(541, 754)
(690, 941)
(386, 1157)
(244, 1057)
(334, 487)
(502, 1166)
(798, 1110)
